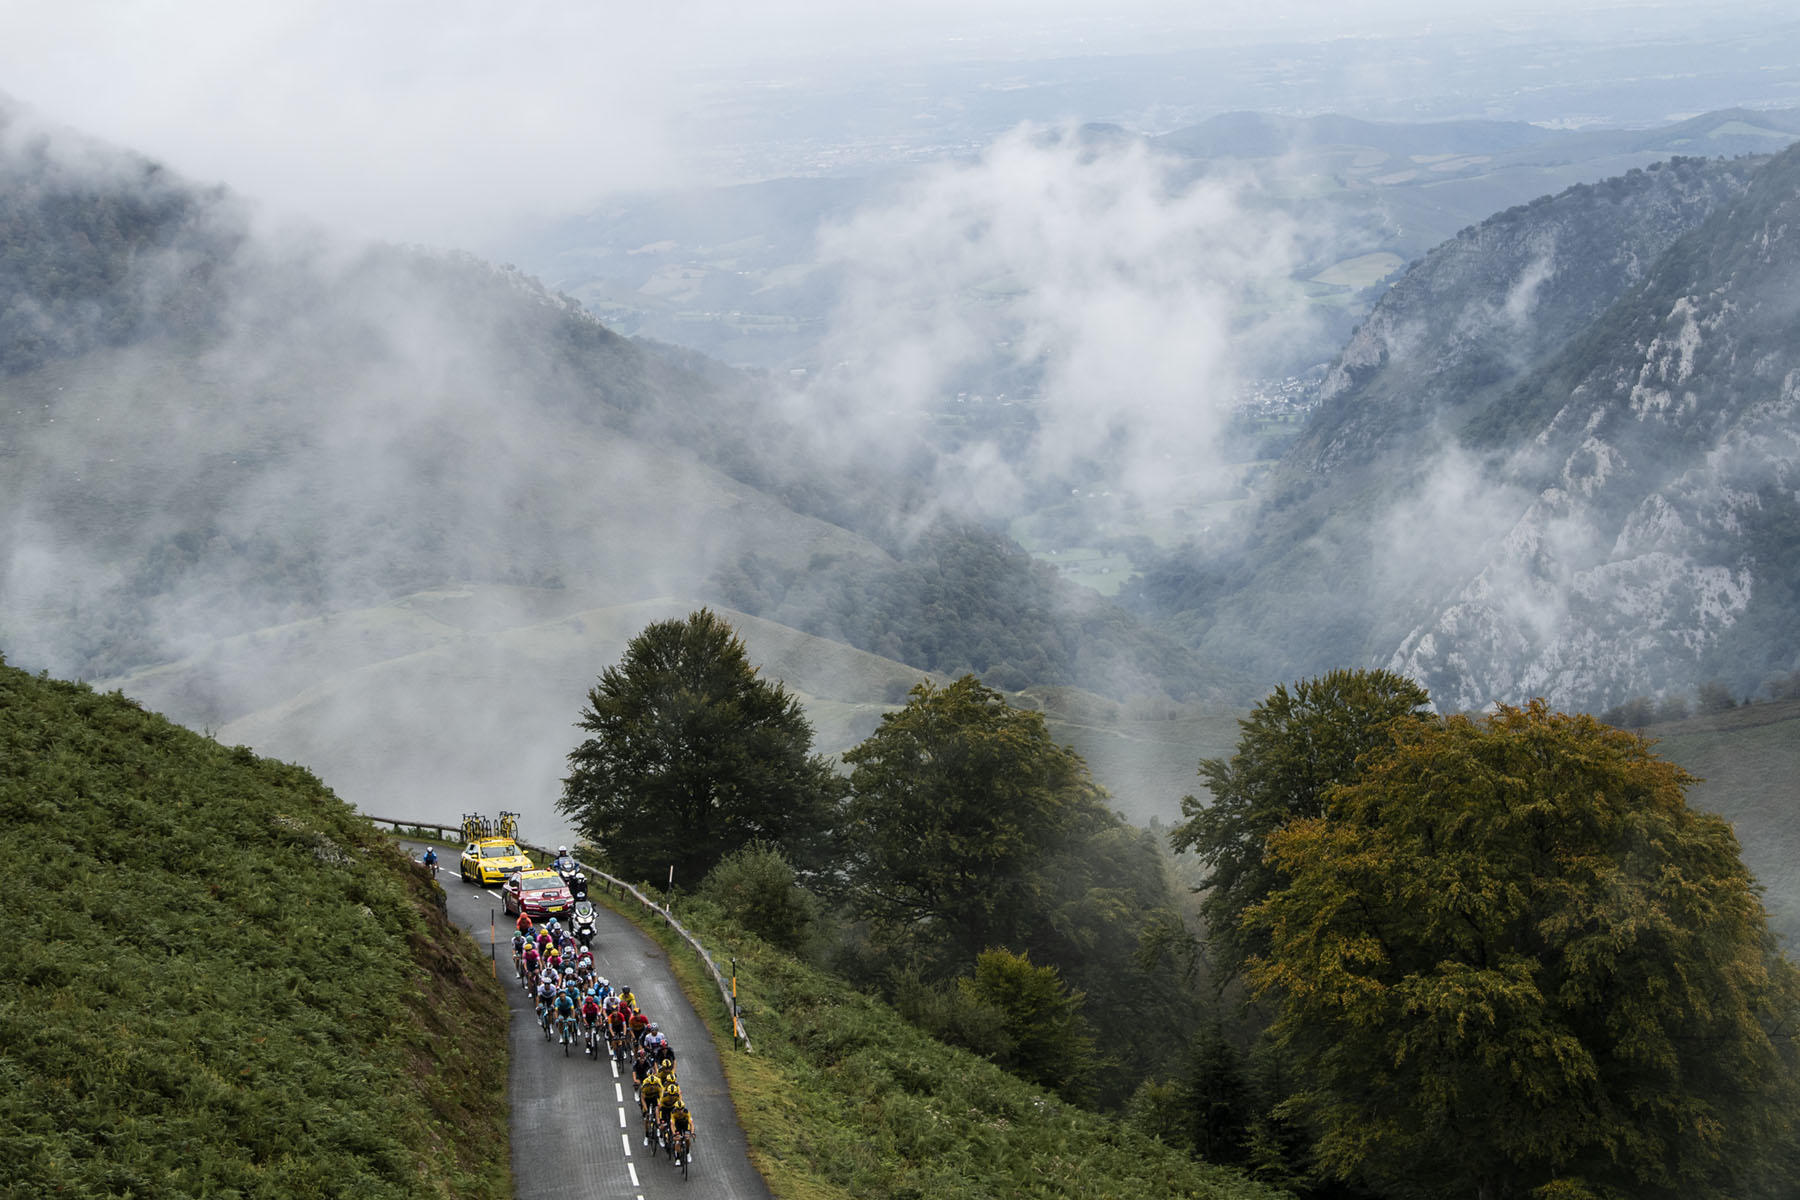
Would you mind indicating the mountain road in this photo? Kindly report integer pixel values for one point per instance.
(576, 1131)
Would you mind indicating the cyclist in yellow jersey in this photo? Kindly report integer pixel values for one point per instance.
(649, 1095)
(681, 1131)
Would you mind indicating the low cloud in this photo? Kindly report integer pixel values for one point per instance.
(1088, 283)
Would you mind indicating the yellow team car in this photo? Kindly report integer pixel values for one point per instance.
(490, 859)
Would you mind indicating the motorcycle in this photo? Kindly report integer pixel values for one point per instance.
(583, 923)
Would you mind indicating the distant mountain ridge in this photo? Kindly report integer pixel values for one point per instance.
(1555, 460)
(1267, 135)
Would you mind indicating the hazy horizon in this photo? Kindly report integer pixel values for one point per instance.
(457, 124)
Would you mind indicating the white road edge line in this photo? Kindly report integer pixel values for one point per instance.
(626, 1139)
(632, 1167)
(621, 1116)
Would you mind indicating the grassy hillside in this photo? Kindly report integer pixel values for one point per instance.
(466, 698)
(843, 1098)
(366, 698)
(1749, 761)
(222, 981)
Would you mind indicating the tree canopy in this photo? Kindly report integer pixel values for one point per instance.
(1295, 746)
(691, 756)
(957, 802)
(1510, 961)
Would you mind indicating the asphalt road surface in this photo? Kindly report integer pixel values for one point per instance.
(576, 1131)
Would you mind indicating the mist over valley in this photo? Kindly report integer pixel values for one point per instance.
(1075, 404)
(1207, 602)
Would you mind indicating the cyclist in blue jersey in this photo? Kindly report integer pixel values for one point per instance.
(565, 1016)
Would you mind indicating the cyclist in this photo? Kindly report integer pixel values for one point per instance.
(681, 1129)
(640, 1024)
(641, 1069)
(519, 954)
(565, 1013)
(431, 860)
(626, 998)
(590, 1018)
(546, 996)
(665, 1105)
(524, 923)
(649, 1096)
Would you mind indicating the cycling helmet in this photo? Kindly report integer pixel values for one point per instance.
(653, 1027)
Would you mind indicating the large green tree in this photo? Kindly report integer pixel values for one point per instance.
(958, 801)
(691, 755)
(1510, 961)
(1295, 746)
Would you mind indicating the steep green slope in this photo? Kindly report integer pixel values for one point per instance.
(222, 981)
(843, 1098)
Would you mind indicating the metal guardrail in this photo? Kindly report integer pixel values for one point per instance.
(453, 834)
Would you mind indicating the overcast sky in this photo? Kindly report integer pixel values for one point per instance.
(434, 121)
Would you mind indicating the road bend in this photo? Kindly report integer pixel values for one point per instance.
(576, 1132)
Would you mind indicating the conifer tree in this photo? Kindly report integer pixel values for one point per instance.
(691, 756)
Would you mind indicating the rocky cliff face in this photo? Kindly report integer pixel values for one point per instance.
(1558, 459)
(1661, 453)
(1487, 307)
(1380, 512)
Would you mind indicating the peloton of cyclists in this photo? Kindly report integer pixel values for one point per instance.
(565, 984)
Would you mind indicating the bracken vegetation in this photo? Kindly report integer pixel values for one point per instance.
(222, 981)
(843, 1097)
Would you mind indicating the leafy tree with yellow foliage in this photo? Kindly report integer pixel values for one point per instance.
(1510, 962)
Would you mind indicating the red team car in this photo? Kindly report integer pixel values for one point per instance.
(542, 894)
